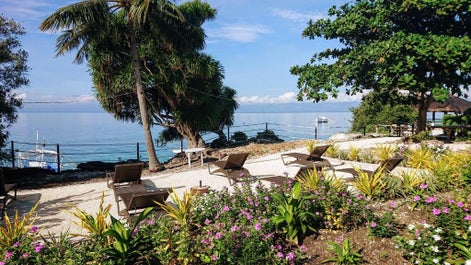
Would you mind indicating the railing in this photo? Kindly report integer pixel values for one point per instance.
(68, 156)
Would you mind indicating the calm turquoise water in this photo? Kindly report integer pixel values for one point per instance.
(97, 136)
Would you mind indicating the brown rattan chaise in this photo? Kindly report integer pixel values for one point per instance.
(134, 202)
(124, 173)
(232, 167)
(311, 160)
(5, 189)
(385, 166)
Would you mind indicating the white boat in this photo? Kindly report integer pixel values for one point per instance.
(322, 119)
(38, 157)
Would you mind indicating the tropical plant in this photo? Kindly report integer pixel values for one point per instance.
(239, 137)
(420, 158)
(14, 69)
(182, 211)
(353, 153)
(385, 151)
(369, 185)
(345, 253)
(291, 215)
(310, 145)
(96, 29)
(96, 226)
(124, 240)
(309, 179)
(12, 232)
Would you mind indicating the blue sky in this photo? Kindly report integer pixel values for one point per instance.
(256, 41)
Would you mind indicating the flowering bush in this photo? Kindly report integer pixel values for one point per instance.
(235, 228)
(381, 225)
(442, 241)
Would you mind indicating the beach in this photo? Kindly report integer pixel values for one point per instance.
(53, 212)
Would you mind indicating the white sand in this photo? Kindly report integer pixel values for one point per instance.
(54, 203)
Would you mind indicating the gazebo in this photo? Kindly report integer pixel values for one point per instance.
(452, 104)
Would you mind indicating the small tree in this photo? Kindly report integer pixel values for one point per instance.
(13, 70)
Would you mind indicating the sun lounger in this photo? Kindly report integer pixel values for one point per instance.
(311, 160)
(232, 168)
(386, 166)
(137, 201)
(5, 195)
(124, 173)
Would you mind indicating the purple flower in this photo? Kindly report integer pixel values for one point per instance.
(215, 257)
(267, 198)
(258, 226)
(423, 186)
(207, 222)
(17, 244)
(431, 199)
(280, 255)
(25, 255)
(373, 224)
(436, 211)
(279, 247)
(460, 204)
(150, 222)
(2, 263)
(34, 229)
(467, 217)
(226, 208)
(39, 247)
(445, 210)
(393, 204)
(290, 256)
(8, 255)
(218, 235)
(416, 198)
(234, 228)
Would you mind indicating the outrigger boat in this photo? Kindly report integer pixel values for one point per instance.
(39, 157)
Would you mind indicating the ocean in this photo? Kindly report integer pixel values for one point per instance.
(97, 136)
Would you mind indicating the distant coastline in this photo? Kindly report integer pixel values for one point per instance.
(295, 107)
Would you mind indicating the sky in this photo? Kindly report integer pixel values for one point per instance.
(257, 42)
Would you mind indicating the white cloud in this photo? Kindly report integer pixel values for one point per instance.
(290, 97)
(296, 16)
(56, 99)
(285, 98)
(239, 33)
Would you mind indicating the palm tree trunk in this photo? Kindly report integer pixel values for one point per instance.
(141, 97)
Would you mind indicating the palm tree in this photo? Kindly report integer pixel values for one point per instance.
(89, 22)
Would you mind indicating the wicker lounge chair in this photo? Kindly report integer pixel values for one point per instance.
(137, 201)
(386, 166)
(5, 189)
(124, 173)
(311, 160)
(232, 168)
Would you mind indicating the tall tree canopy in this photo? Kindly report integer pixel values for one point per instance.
(183, 87)
(93, 26)
(13, 70)
(419, 46)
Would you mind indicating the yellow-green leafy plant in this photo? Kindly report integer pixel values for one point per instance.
(369, 186)
(420, 158)
(96, 225)
(367, 157)
(411, 179)
(353, 153)
(337, 184)
(448, 169)
(385, 151)
(309, 179)
(311, 145)
(181, 210)
(13, 231)
(333, 151)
